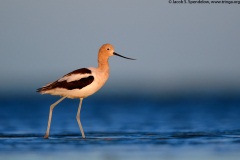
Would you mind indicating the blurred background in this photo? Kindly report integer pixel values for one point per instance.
(180, 48)
(179, 99)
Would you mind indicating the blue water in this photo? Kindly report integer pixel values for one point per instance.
(190, 127)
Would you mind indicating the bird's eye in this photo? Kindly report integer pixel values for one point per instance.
(108, 48)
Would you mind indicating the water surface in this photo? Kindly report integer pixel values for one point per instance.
(127, 128)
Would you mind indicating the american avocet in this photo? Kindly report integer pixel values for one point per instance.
(80, 83)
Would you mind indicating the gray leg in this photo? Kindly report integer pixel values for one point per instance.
(50, 116)
(78, 118)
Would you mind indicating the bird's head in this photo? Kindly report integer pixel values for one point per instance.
(107, 50)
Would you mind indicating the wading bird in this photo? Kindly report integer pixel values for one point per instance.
(80, 83)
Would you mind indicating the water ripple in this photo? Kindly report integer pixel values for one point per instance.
(36, 142)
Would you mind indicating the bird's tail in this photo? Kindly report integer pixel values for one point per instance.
(43, 89)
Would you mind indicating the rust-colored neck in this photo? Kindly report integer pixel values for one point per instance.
(103, 62)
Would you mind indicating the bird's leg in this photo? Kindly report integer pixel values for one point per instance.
(78, 117)
(50, 116)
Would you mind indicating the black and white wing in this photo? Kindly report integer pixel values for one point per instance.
(77, 79)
